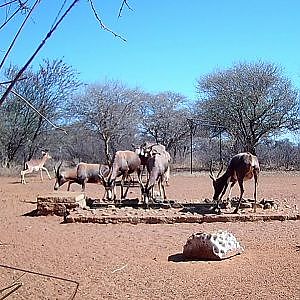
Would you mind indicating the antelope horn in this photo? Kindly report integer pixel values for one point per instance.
(211, 175)
(57, 171)
(101, 175)
(222, 165)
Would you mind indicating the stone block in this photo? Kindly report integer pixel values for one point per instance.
(57, 203)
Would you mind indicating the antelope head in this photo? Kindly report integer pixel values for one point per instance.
(46, 154)
(107, 183)
(60, 179)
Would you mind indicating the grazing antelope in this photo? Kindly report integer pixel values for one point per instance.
(83, 173)
(36, 165)
(157, 161)
(242, 166)
(124, 163)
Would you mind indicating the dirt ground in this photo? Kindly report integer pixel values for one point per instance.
(143, 261)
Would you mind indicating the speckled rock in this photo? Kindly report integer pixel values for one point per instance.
(215, 246)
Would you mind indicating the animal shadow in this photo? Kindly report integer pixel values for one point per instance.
(33, 213)
(16, 182)
(198, 208)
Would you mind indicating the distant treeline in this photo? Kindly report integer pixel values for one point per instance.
(238, 109)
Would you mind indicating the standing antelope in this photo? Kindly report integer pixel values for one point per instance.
(36, 165)
(124, 163)
(146, 150)
(157, 161)
(242, 166)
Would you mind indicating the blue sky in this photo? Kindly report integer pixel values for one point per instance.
(170, 44)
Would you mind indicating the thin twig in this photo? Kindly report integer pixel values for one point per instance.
(31, 106)
(8, 3)
(45, 275)
(119, 269)
(36, 52)
(10, 18)
(39, 113)
(15, 287)
(124, 2)
(18, 32)
(102, 24)
(59, 12)
(10, 81)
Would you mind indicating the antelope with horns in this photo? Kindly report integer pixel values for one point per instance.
(36, 165)
(157, 161)
(124, 163)
(146, 150)
(242, 166)
(83, 173)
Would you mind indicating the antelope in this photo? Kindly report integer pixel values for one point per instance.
(124, 163)
(157, 161)
(147, 149)
(242, 166)
(36, 165)
(83, 173)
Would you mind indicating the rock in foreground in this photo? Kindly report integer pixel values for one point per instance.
(215, 246)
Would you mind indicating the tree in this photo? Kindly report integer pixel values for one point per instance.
(77, 146)
(251, 101)
(48, 89)
(109, 110)
(279, 154)
(164, 119)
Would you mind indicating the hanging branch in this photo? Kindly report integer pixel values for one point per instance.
(102, 24)
(32, 107)
(36, 52)
(8, 3)
(10, 18)
(18, 32)
(124, 2)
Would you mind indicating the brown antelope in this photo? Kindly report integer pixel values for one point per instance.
(146, 150)
(83, 173)
(36, 165)
(157, 161)
(124, 163)
(242, 166)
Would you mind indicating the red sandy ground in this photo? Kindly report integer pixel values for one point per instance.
(143, 261)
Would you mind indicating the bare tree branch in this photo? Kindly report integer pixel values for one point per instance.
(124, 2)
(59, 12)
(8, 3)
(36, 52)
(11, 17)
(17, 34)
(102, 24)
(40, 114)
(10, 81)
